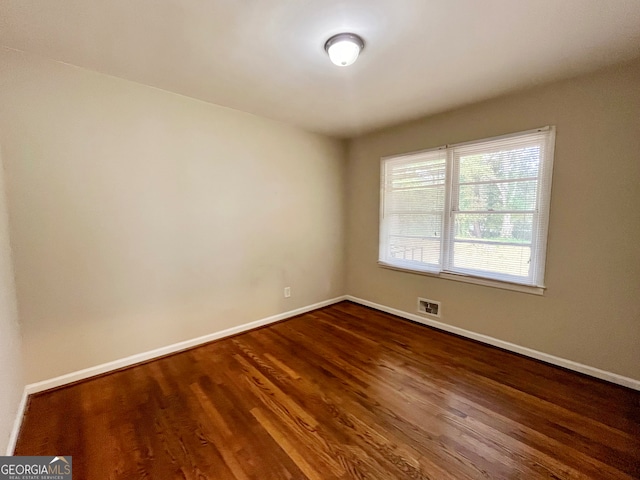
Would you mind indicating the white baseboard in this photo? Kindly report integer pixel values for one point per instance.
(169, 349)
(512, 347)
(17, 423)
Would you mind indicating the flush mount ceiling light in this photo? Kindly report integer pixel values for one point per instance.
(344, 48)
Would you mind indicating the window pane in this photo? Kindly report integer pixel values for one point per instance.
(500, 259)
(416, 199)
(496, 227)
(504, 164)
(415, 237)
(417, 174)
(499, 196)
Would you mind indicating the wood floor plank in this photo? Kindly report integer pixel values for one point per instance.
(343, 392)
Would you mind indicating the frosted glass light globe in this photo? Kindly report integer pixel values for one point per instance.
(343, 53)
(344, 48)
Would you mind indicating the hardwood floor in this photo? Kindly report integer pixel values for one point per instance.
(345, 392)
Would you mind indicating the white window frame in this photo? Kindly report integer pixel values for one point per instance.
(532, 284)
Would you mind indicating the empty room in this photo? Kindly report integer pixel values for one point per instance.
(293, 239)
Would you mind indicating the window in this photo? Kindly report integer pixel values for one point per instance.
(472, 210)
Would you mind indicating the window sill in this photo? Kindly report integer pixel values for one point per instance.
(468, 279)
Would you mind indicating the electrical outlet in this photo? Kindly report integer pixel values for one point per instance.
(287, 292)
(429, 307)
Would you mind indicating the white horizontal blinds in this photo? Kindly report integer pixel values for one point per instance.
(413, 210)
(496, 222)
(479, 208)
(539, 253)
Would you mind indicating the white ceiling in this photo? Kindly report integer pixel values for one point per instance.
(266, 56)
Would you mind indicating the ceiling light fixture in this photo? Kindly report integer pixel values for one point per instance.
(344, 48)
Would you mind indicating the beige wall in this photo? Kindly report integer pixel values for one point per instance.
(11, 378)
(140, 218)
(591, 310)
